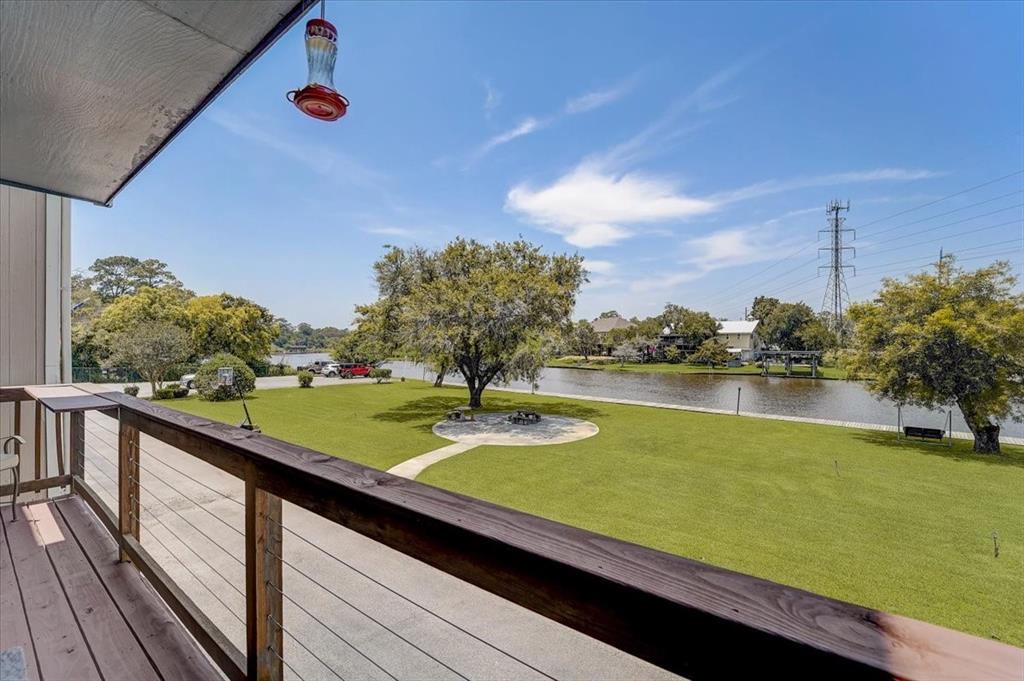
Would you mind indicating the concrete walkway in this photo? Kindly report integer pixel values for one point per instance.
(416, 465)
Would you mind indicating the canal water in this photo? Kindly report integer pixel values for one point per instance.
(821, 399)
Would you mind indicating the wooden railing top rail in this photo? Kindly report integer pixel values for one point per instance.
(695, 619)
(689, 617)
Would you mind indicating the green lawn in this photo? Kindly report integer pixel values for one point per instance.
(904, 528)
(667, 368)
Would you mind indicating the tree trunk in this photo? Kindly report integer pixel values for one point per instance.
(986, 433)
(474, 396)
(986, 439)
(439, 381)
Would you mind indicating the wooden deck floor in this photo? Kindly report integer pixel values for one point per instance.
(77, 612)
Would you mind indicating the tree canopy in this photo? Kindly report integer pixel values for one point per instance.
(120, 275)
(762, 307)
(710, 352)
(693, 327)
(947, 337)
(583, 340)
(152, 348)
(231, 324)
(782, 327)
(488, 312)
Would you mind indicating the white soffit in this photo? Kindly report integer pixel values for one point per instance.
(90, 90)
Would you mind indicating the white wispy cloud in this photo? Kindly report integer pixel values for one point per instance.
(526, 126)
(722, 249)
(530, 124)
(589, 208)
(492, 98)
(767, 187)
(599, 266)
(322, 160)
(596, 99)
(594, 206)
(403, 232)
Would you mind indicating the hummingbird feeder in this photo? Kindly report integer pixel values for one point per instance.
(319, 99)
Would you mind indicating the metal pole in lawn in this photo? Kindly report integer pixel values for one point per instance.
(738, 390)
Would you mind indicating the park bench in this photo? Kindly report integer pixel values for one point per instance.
(524, 416)
(459, 414)
(924, 433)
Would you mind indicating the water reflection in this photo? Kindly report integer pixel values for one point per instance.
(836, 400)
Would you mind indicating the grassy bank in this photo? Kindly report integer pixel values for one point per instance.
(848, 513)
(667, 368)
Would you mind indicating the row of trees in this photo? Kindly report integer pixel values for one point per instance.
(306, 336)
(135, 313)
(784, 326)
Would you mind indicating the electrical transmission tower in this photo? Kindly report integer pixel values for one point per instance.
(836, 295)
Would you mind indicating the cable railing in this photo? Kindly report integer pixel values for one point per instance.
(682, 615)
(105, 437)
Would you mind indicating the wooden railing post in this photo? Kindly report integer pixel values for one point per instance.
(77, 452)
(128, 483)
(263, 583)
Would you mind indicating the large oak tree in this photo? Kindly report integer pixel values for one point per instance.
(485, 311)
(947, 337)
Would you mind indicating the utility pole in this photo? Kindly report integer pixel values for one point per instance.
(836, 295)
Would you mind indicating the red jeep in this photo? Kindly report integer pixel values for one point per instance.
(352, 369)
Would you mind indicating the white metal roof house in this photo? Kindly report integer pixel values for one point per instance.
(740, 337)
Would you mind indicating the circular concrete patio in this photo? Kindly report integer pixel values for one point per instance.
(495, 429)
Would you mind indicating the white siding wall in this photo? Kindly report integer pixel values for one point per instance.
(35, 280)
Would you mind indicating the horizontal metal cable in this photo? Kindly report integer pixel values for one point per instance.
(189, 570)
(363, 613)
(168, 550)
(285, 662)
(307, 541)
(303, 646)
(409, 600)
(197, 503)
(331, 630)
(176, 536)
(183, 518)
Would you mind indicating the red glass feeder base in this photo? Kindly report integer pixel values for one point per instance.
(320, 102)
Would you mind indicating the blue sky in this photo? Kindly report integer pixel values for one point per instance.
(686, 150)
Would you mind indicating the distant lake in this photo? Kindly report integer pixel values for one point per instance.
(820, 399)
(298, 359)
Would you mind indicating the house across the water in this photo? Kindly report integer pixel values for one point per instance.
(740, 337)
(603, 325)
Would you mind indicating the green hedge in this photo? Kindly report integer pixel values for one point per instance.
(305, 379)
(170, 391)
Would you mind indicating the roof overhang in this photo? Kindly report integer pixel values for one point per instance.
(92, 90)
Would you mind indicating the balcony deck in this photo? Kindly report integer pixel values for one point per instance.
(76, 612)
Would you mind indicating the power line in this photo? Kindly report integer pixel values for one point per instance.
(939, 215)
(950, 224)
(728, 291)
(944, 198)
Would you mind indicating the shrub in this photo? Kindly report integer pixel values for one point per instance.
(132, 390)
(305, 379)
(380, 374)
(206, 378)
(672, 355)
(171, 391)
